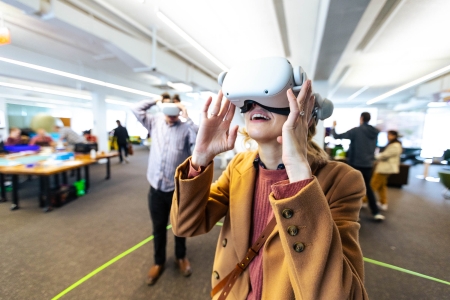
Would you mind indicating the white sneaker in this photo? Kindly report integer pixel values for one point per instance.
(126, 160)
(384, 207)
(379, 217)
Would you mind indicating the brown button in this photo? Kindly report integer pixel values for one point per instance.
(287, 213)
(216, 275)
(292, 230)
(224, 242)
(299, 247)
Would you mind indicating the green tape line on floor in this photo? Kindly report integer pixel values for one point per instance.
(118, 257)
(104, 266)
(382, 264)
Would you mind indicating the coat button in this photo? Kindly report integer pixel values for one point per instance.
(224, 242)
(216, 275)
(287, 213)
(299, 247)
(292, 230)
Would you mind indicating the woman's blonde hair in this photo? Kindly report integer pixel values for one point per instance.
(317, 157)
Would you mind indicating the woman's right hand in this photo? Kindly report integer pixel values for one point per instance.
(214, 134)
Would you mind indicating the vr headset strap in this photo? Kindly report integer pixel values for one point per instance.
(227, 283)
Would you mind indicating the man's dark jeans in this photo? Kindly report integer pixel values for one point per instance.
(159, 204)
(367, 175)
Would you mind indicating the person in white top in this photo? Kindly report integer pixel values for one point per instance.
(388, 162)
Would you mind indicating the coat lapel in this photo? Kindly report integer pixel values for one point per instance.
(241, 201)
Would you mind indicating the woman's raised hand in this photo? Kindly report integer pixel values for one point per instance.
(214, 134)
(295, 134)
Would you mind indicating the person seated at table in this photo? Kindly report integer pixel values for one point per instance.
(66, 133)
(90, 138)
(42, 139)
(14, 137)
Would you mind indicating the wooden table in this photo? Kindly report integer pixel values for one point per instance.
(45, 172)
(99, 156)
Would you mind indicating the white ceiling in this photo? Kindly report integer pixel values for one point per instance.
(411, 44)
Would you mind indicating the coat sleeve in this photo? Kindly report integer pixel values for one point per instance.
(346, 135)
(391, 151)
(197, 205)
(331, 264)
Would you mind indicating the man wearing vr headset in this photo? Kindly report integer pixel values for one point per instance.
(290, 215)
(171, 145)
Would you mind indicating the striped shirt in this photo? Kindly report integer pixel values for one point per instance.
(171, 145)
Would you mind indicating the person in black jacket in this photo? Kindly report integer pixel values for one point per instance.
(122, 137)
(361, 155)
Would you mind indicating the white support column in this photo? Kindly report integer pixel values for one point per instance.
(99, 113)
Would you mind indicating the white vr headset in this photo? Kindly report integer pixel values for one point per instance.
(266, 81)
(169, 109)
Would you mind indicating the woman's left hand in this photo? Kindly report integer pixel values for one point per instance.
(295, 134)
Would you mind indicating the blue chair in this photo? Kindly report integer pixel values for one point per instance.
(445, 180)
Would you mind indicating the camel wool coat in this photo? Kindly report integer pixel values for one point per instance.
(325, 212)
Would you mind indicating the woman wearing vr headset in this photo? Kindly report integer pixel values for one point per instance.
(310, 250)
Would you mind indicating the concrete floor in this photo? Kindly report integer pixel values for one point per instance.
(45, 253)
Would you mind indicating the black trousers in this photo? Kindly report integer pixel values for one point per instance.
(159, 204)
(367, 175)
(125, 149)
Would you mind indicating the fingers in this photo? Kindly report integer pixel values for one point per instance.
(230, 113)
(215, 110)
(232, 137)
(294, 109)
(206, 107)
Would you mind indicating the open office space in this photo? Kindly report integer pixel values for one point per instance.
(102, 100)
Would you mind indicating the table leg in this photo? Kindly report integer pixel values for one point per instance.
(64, 178)
(15, 192)
(41, 191)
(86, 175)
(78, 174)
(48, 194)
(2, 186)
(108, 168)
(57, 183)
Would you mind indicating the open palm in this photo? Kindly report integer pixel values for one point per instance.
(214, 134)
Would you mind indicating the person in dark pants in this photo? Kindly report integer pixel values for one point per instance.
(172, 141)
(121, 135)
(361, 155)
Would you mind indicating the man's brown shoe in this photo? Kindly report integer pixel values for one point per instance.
(154, 273)
(185, 267)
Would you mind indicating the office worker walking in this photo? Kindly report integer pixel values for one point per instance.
(122, 137)
(361, 155)
(171, 145)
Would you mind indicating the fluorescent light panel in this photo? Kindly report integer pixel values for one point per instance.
(190, 40)
(77, 77)
(179, 86)
(357, 93)
(410, 84)
(117, 102)
(44, 90)
(44, 100)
